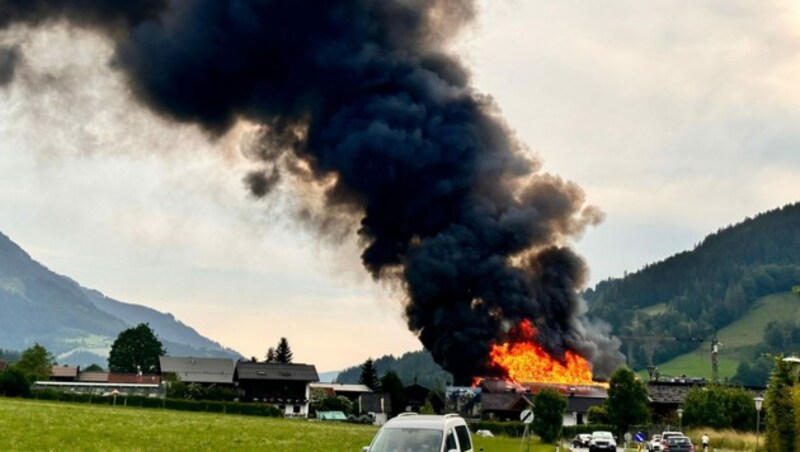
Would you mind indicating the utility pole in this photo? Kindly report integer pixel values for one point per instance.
(715, 358)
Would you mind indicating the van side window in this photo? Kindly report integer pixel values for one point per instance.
(451, 441)
(463, 437)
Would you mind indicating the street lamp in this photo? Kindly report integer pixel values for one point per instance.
(759, 401)
(680, 418)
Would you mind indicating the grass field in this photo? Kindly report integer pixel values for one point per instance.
(737, 338)
(29, 425)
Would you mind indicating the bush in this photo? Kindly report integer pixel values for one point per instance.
(14, 383)
(548, 417)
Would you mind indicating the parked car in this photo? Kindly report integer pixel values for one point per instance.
(422, 433)
(654, 445)
(677, 444)
(602, 441)
(581, 440)
(667, 434)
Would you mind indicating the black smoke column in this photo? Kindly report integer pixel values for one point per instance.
(364, 95)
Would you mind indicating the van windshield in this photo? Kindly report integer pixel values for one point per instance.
(407, 440)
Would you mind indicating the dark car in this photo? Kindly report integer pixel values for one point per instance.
(677, 444)
(581, 440)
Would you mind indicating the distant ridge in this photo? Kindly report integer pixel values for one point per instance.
(76, 324)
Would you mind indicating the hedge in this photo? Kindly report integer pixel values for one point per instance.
(247, 409)
(570, 431)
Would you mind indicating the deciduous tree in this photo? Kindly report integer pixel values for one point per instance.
(391, 384)
(136, 350)
(548, 415)
(36, 363)
(720, 407)
(627, 400)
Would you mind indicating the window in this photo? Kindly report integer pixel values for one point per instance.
(451, 441)
(296, 409)
(463, 437)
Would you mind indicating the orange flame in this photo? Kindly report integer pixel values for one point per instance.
(526, 362)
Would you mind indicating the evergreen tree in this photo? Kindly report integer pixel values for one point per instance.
(270, 355)
(391, 384)
(548, 415)
(627, 400)
(283, 353)
(36, 363)
(778, 407)
(136, 350)
(369, 375)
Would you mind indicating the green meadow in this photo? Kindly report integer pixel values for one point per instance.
(738, 339)
(30, 425)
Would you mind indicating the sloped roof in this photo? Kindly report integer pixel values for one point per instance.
(65, 372)
(499, 386)
(3, 365)
(341, 387)
(668, 393)
(582, 404)
(246, 370)
(133, 378)
(198, 370)
(93, 377)
(331, 416)
(503, 401)
(416, 392)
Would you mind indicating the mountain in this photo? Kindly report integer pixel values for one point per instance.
(412, 367)
(669, 307)
(76, 324)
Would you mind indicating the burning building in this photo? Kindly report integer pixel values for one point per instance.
(364, 103)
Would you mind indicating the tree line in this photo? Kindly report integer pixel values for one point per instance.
(135, 350)
(705, 289)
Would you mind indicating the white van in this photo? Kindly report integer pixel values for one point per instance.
(422, 433)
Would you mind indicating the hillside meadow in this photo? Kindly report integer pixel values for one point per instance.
(738, 339)
(30, 425)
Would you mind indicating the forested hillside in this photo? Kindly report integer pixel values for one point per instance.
(694, 293)
(412, 367)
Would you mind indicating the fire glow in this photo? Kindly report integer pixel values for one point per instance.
(524, 361)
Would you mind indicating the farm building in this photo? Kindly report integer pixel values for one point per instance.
(351, 391)
(284, 385)
(204, 371)
(378, 405)
(65, 373)
(417, 395)
(504, 401)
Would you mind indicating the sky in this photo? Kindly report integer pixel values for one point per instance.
(676, 117)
